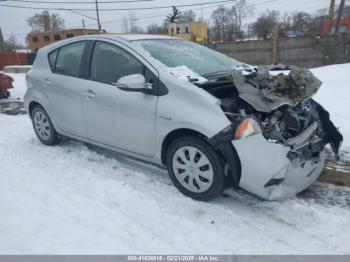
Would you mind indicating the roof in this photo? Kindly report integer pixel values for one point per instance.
(62, 30)
(135, 37)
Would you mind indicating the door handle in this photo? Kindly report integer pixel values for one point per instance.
(89, 94)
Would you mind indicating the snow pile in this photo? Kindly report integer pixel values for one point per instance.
(334, 95)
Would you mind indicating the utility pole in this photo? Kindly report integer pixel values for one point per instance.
(84, 29)
(340, 15)
(330, 16)
(202, 25)
(98, 17)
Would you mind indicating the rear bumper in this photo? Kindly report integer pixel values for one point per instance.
(268, 171)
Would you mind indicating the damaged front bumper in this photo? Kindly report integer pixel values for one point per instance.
(275, 171)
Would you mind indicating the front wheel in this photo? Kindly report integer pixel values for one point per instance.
(43, 127)
(195, 168)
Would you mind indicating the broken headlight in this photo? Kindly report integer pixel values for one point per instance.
(248, 127)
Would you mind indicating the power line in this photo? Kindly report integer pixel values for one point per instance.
(207, 7)
(120, 21)
(87, 16)
(114, 9)
(163, 13)
(77, 2)
(159, 14)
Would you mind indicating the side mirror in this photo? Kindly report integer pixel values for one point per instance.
(134, 83)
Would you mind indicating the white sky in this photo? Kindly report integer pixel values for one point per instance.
(13, 20)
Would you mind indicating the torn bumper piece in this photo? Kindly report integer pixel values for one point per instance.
(269, 171)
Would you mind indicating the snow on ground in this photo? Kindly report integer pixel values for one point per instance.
(334, 95)
(71, 199)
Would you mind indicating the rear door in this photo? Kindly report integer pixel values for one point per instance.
(66, 88)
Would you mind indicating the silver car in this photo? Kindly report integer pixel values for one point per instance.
(212, 121)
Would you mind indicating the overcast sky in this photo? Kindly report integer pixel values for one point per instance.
(13, 20)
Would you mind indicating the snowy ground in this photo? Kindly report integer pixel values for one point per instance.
(71, 199)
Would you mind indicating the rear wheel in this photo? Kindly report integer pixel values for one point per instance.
(43, 126)
(195, 168)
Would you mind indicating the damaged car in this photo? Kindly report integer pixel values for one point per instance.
(212, 121)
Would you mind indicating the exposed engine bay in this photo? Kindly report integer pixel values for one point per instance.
(282, 104)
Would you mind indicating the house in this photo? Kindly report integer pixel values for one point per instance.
(195, 31)
(37, 40)
(344, 26)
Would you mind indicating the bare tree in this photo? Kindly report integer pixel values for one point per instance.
(188, 16)
(11, 44)
(318, 19)
(285, 25)
(125, 24)
(263, 26)
(228, 22)
(129, 24)
(137, 30)
(132, 21)
(301, 22)
(239, 12)
(156, 29)
(221, 21)
(37, 21)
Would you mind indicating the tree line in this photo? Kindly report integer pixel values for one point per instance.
(226, 24)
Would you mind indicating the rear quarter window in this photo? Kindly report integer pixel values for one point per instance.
(52, 59)
(68, 59)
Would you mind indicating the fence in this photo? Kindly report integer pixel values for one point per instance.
(306, 51)
(16, 59)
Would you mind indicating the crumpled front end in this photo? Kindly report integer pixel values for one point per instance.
(274, 171)
(284, 107)
(280, 132)
(266, 92)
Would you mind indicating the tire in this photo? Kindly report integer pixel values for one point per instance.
(195, 168)
(43, 127)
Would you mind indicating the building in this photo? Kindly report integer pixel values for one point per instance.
(37, 40)
(344, 26)
(192, 31)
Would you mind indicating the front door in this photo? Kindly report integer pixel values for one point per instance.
(125, 120)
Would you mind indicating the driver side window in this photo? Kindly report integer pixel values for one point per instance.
(109, 63)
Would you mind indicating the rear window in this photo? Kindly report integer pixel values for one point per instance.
(68, 59)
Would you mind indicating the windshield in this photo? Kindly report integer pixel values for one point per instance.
(178, 53)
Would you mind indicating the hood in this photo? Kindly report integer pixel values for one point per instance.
(266, 91)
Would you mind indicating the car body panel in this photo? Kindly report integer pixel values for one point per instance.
(262, 161)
